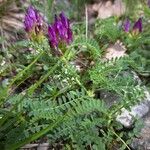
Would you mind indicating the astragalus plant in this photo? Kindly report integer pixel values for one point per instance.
(56, 93)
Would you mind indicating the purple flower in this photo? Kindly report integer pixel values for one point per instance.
(148, 3)
(33, 20)
(126, 25)
(138, 26)
(64, 20)
(59, 28)
(70, 37)
(60, 32)
(52, 37)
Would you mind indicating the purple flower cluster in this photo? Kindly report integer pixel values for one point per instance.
(60, 32)
(137, 27)
(33, 20)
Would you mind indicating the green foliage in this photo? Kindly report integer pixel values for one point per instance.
(46, 96)
(107, 30)
(133, 7)
(86, 117)
(91, 46)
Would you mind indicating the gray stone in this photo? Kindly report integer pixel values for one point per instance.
(126, 118)
(142, 142)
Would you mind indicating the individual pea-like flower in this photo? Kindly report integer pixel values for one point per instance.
(137, 27)
(126, 25)
(52, 36)
(33, 21)
(60, 32)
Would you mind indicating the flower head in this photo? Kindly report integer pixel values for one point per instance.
(59, 28)
(138, 26)
(126, 25)
(33, 20)
(148, 3)
(60, 32)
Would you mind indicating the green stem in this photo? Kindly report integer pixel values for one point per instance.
(25, 70)
(112, 130)
(36, 135)
(20, 74)
(36, 85)
(10, 112)
(76, 76)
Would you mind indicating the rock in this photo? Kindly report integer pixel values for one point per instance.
(142, 142)
(109, 98)
(126, 118)
(106, 9)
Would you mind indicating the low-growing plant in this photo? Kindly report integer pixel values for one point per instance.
(56, 89)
